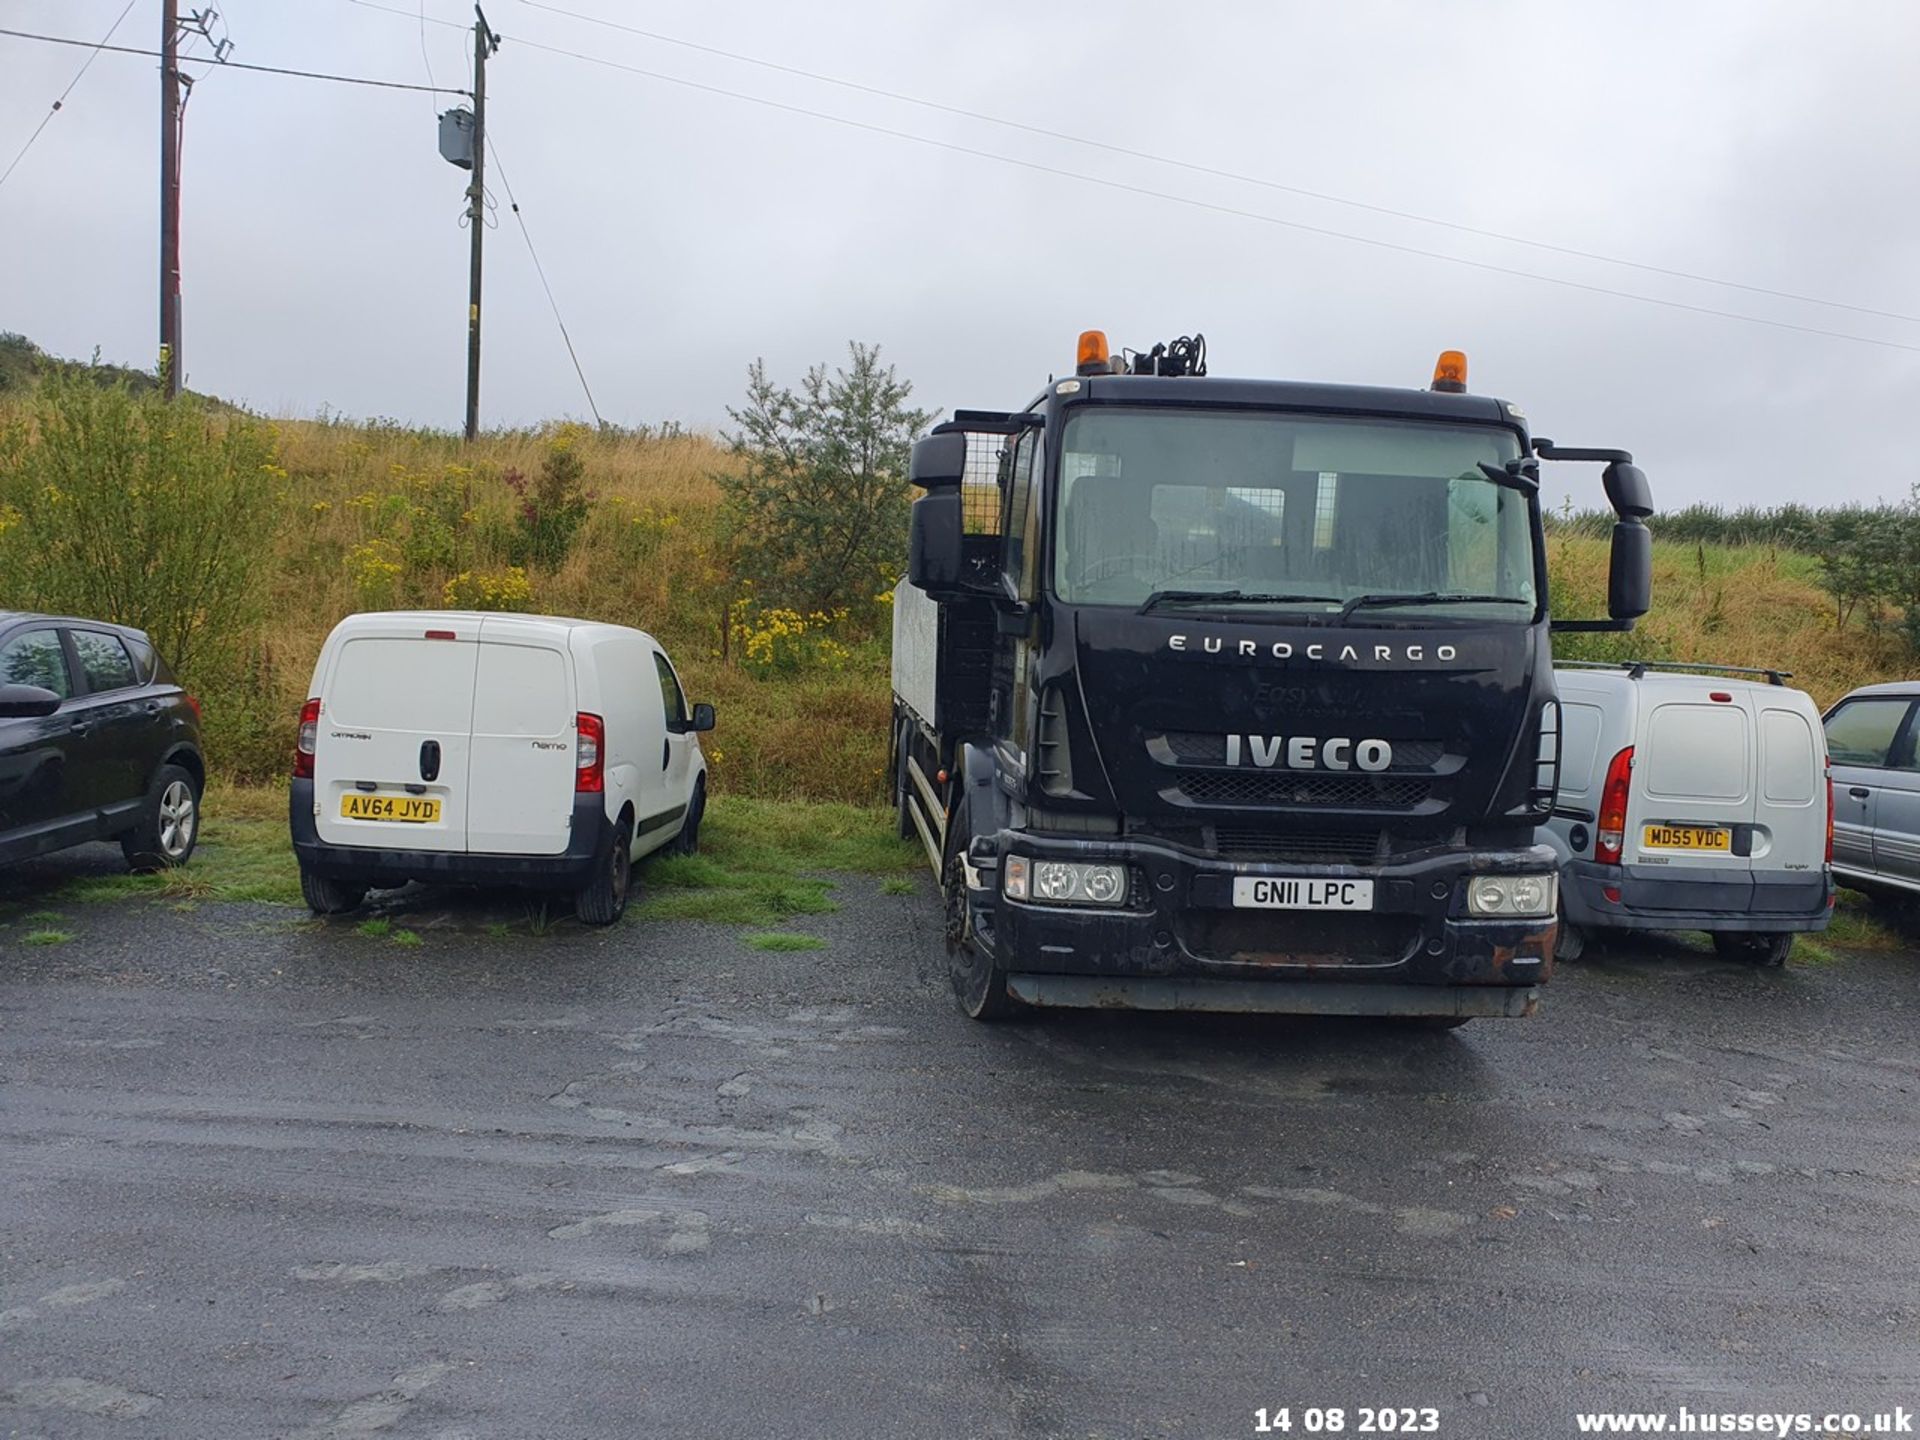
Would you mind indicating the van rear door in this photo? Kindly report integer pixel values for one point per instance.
(1693, 799)
(391, 756)
(523, 740)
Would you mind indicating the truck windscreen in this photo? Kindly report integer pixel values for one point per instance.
(1273, 506)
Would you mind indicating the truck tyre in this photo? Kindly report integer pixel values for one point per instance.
(978, 983)
(903, 782)
(327, 896)
(687, 842)
(1570, 943)
(169, 823)
(1766, 949)
(603, 899)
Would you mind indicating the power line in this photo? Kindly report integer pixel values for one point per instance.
(1213, 171)
(85, 66)
(541, 271)
(238, 64)
(1213, 207)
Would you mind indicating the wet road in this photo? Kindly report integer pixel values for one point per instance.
(259, 1178)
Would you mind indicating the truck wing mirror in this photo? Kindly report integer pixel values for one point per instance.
(26, 702)
(1630, 568)
(1627, 490)
(938, 462)
(1630, 560)
(934, 552)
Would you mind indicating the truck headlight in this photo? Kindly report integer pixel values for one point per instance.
(1065, 882)
(1513, 895)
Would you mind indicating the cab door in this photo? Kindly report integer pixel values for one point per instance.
(1861, 736)
(663, 800)
(1013, 694)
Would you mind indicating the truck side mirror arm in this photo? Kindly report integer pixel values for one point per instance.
(1630, 561)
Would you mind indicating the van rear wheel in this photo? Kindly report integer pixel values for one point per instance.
(326, 896)
(1766, 949)
(603, 899)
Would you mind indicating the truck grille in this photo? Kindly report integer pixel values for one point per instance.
(1303, 847)
(1299, 938)
(1354, 792)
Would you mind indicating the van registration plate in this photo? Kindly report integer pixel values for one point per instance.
(1270, 892)
(1712, 838)
(407, 809)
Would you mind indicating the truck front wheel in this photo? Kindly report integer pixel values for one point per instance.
(978, 983)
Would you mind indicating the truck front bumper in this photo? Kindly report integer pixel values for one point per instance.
(1417, 951)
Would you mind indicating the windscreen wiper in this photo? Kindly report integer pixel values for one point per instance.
(1427, 597)
(1229, 597)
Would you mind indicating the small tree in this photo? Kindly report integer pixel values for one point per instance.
(818, 511)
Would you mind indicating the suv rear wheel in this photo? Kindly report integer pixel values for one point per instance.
(1767, 949)
(169, 825)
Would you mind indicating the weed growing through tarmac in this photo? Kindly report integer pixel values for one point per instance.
(406, 937)
(898, 885)
(498, 930)
(761, 861)
(375, 929)
(785, 940)
(43, 917)
(46, 937)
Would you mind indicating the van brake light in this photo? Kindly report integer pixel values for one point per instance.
(1829, 812)
(1612, 830)
(309, 733)
(590, 757)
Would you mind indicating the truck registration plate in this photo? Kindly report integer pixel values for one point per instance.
(1268, 892)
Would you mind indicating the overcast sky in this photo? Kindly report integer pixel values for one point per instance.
(686, 232)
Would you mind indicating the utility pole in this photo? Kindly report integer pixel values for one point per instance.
(484, 43)
(170, 196)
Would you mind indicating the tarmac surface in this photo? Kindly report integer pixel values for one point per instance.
(267, 1177)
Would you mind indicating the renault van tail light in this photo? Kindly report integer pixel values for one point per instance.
(1829, 812)
(590, 756)
(1611, 836)
(309, 733)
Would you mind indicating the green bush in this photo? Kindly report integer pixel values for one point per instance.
(819, 508)
(124, 507)
(552, 506)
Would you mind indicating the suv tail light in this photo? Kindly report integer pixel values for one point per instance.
(590, 758)
(303, 747)
(1611, 833)
(193, 704)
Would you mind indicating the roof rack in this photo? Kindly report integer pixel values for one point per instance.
(1636, 668)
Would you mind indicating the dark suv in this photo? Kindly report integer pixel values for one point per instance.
(97, 742)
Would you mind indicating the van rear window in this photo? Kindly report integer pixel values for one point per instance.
(388, 683)
(1789, 773)
(521, 690)
(1698, 752)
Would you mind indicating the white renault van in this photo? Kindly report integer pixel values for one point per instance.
(492, 748)
(1691, 801)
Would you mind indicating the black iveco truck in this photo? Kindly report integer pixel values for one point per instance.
(1236, 694)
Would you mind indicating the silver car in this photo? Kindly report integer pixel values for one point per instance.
(1876, 787)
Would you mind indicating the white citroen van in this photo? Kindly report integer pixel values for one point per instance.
(1691, 801)
(492, 748)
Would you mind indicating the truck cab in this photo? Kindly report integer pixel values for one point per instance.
(1237, 694)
